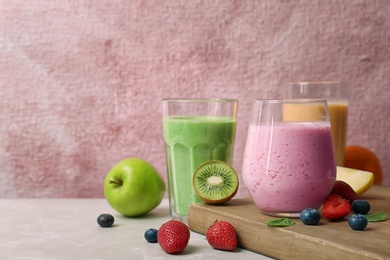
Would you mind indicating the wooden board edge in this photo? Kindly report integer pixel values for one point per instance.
(253, 236)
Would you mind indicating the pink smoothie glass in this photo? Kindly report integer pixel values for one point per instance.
(289, 162)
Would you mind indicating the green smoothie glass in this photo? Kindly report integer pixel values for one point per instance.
(195, 131)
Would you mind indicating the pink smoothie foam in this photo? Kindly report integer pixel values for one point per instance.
(289, 167)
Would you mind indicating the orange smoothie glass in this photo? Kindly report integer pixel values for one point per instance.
(336, 94)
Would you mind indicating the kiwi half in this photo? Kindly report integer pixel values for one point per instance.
(215, 182)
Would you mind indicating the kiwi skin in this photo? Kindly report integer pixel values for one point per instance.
(220, 199)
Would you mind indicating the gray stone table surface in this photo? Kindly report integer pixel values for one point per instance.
(68, 229)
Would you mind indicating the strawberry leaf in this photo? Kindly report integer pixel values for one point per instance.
(376, 217)
(280, 222)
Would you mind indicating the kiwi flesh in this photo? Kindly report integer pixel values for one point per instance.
(215, 182)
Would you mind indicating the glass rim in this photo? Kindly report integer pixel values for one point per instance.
(200, 100)
(292, 100)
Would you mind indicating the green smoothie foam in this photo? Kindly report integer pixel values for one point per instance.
(190, 141)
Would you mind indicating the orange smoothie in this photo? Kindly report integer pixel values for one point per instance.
(338, 114)
(303, 112)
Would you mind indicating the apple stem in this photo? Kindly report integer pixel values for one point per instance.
(116, 182)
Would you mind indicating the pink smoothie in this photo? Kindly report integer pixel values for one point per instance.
(290, 168)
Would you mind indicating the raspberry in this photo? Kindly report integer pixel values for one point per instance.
(173, 236)
(222, 235)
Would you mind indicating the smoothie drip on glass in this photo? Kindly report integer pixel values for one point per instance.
(191, 141)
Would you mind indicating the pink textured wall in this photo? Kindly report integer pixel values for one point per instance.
(81, 81)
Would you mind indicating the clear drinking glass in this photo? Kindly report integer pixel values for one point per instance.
(195, 131)
(336, 94)
(289, 164)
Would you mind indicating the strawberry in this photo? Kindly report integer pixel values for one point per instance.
(222, 235)
(173, 236)
(345, 191)
(335, 207)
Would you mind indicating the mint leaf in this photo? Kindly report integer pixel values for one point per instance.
(376, 217)
(280, 222)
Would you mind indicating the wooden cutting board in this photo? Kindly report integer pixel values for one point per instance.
(327, 240)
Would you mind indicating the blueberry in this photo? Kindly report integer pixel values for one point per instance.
(357, 221)
(151, 235)
(105, 220)
(310, 216)
(360, 206)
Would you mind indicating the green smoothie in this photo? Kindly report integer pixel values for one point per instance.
(190, 141)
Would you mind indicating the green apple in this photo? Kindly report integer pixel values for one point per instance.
(133, 187)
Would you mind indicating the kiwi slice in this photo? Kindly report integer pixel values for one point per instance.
(215, 182)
